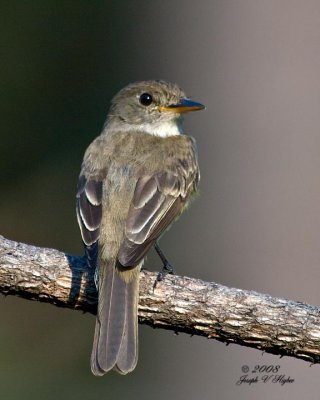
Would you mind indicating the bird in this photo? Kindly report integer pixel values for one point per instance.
(136, 178)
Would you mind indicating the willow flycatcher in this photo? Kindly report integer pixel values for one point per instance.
(136, 178)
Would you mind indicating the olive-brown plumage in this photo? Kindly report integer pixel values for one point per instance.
(136, 178)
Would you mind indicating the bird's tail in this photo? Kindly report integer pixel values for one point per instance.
(116, 334)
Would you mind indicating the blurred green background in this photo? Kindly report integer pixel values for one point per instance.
(256, 65)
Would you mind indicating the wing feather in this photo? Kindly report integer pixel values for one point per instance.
(157, 201)
(89, 214)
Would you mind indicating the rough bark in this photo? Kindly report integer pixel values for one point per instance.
(181, 304)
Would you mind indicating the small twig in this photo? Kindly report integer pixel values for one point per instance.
(177, 303)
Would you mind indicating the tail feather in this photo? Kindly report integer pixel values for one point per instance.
(115, 340)
(128, 353)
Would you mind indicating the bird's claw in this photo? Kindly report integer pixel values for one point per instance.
(167, 269)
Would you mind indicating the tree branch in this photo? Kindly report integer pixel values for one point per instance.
(177, 303)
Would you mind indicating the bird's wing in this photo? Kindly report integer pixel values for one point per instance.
(158, 199)
(89, 213)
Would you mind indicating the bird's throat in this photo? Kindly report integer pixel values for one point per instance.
(164, 128)
(160, 129)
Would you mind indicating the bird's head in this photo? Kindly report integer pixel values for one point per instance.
(154, 107)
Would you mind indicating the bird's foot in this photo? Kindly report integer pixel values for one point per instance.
(166, 269)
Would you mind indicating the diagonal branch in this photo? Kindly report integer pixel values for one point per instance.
(180, 304)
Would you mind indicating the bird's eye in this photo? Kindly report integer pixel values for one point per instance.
(145, 99)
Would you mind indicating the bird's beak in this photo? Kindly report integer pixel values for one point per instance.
(184, 106)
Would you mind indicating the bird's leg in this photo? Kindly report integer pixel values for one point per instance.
(167, 267)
